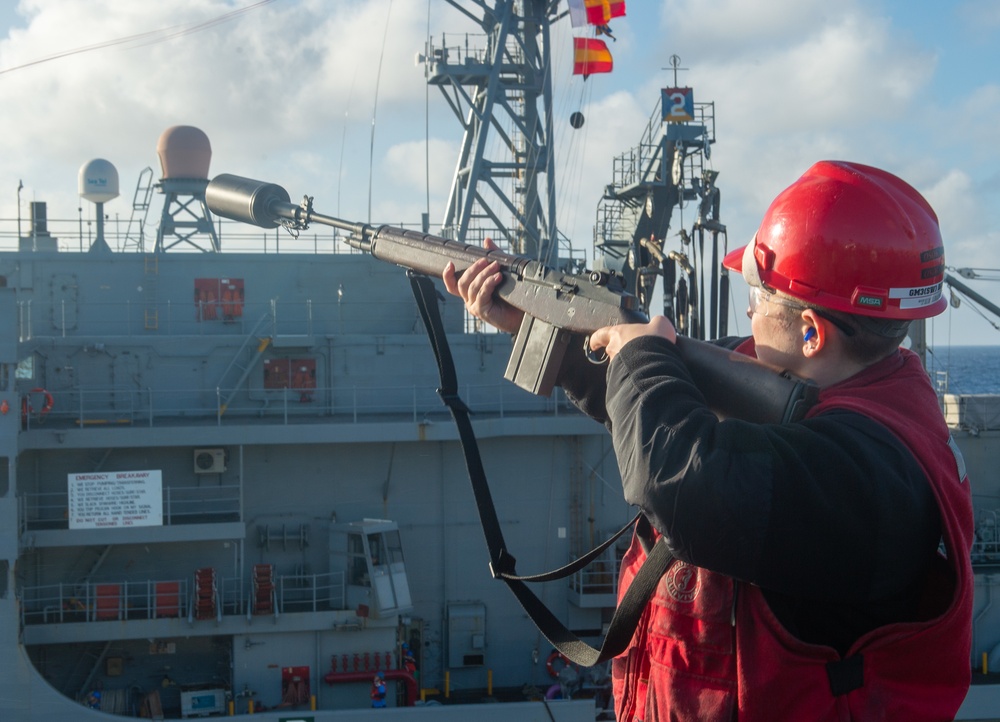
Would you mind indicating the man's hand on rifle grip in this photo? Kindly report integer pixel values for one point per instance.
(477, 288)
(612, 338)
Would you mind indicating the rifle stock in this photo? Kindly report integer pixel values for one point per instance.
(560, 308)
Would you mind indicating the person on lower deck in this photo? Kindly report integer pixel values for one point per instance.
(377, 693)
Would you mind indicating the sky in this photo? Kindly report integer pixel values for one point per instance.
(324, 97)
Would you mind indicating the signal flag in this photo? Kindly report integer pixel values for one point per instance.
(591, 56)
(595, 12)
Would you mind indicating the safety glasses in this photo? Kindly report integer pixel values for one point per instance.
(760, 296)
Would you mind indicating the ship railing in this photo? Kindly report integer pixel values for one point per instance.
(104, 601)
(459, 48)
(641, 163)
(600, 577)
(69, 235)
(111, 407)
(311, 592)
(198, 505)
(986, 543)
(612, 235)
(181, 505)
(293, 593)
(596, 585)
(232, 597)
(637, 165)
(124, 600)
(43, 510)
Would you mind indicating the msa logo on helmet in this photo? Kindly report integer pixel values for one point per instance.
(870, 301)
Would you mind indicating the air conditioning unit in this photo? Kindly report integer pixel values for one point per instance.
(209, 461)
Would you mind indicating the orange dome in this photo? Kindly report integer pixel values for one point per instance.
(184, 152)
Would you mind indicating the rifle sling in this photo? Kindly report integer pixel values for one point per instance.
(502, 563)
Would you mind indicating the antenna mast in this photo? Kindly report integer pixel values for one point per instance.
(499, 84)
(667, 171)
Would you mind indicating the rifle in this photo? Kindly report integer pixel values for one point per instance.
(558, 307)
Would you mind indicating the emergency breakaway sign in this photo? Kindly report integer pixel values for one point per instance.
(114, 499)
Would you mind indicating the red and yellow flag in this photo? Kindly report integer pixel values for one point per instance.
(594, 12)
(591, 56)
(599, 12)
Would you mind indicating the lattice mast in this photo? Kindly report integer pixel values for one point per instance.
(499, 86)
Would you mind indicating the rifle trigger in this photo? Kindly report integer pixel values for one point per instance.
(594, 358)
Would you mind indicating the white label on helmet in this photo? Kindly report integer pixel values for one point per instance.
(916, 297)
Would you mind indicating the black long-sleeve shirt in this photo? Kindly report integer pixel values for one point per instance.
(832, 516)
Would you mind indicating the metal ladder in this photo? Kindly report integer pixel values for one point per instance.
(151, 314)
(244, 368)
(135, 231)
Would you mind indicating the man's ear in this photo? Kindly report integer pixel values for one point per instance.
(815, 332)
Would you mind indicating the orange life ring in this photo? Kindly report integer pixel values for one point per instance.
(553, 658)
(27, 408)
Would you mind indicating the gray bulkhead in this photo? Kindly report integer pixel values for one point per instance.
(142, 377)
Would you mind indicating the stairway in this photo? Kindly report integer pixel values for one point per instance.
(263, 589)
(205, 593)
(244, 361)
(151, 277)
(135, 231)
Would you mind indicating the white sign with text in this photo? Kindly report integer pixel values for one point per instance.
(114, 499)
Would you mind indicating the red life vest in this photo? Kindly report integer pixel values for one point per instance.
(708, 648)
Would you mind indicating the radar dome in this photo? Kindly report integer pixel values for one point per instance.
(98, 181)
(184, 152)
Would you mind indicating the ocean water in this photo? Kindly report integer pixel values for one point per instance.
(965, 369)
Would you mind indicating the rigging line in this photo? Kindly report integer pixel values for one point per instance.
(149, 37)
(568, 186)
(571, 187)
(972, 304)
(577, 150)
(343, 139)
(560, 103)
(561, 185)
(427, 120)
(378, 80)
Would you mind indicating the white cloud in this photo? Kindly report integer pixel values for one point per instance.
(278, 82)
(968, 242)
(407, 172)
(584, 159)
(287, 93)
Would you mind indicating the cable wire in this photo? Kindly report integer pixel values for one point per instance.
(378, 80)
(147, 38)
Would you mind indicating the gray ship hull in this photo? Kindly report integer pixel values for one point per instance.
(101, 599)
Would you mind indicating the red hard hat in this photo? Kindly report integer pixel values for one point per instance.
(850, 238)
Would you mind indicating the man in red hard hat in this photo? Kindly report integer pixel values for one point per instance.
(821, 568)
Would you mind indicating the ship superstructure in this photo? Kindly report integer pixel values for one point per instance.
(246, 486)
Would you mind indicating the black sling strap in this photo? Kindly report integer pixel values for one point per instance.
(626, 617)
